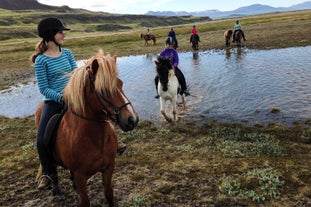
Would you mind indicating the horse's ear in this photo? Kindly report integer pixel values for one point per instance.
(156, 62)
(95, 66)
(114, 58)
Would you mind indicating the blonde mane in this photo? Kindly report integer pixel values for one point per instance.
(106, 77)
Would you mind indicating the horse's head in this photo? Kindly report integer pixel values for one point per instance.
(230, 32)
(163, 67)
(95, 92)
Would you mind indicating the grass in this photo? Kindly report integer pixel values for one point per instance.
(212, 164)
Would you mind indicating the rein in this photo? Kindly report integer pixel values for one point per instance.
(88, 119)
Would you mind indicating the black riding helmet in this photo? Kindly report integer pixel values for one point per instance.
(169, 41)
(47, 28)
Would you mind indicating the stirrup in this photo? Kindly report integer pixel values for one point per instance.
(44, 185)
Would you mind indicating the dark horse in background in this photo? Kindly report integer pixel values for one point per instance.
(238, 37)
(227, 36)
(175, 43)
(148, 38)
(194, 40)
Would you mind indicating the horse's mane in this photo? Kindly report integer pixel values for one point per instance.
(163, 62)
(106, 76)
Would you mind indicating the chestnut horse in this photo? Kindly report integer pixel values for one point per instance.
(145, 37)
(86, 141)
(167, 87)
(227, 36)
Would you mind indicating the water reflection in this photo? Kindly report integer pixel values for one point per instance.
(235, 84)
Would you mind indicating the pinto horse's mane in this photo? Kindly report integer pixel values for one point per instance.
(102, 70)
(163, 63)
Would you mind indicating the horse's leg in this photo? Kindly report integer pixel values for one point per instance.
(183, 100)
(162, 110)
(174, 108)
(72, 178)
(55, 189)
(81, 181)
(107, 177)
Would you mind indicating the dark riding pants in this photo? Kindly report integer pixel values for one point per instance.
(180, 77)
(46, 158)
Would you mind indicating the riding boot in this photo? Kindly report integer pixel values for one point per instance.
(182, 81)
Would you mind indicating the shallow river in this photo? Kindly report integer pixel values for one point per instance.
(237, 85)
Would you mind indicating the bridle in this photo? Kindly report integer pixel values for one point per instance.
(114, 117)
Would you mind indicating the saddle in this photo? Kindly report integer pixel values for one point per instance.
(51, 129)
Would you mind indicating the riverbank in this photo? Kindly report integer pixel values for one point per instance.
(277, 30)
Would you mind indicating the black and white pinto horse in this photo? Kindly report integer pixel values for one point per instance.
(168, 87)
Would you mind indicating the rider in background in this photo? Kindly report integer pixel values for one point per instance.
(148, 34)
(194, 31)
(238, 27)
(170, 53)
(173, 35)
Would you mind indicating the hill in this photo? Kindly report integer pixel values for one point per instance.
(20, 17)
(242, 11)
(26, 4)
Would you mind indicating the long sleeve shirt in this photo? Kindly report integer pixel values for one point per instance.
(52, 74)
(172, 34)
(171, 54)
(237, 26)
(194, 31)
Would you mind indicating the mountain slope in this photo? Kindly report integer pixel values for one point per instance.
(242, 11)
(25, 5)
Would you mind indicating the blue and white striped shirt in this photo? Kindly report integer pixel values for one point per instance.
(52, 74)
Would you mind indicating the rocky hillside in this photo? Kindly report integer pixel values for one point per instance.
(20, 17)
(24, 5)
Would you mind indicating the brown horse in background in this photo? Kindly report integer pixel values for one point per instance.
(145, 37)
(227, 36)
(86, 141)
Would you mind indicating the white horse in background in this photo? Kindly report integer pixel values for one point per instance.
(168, 87)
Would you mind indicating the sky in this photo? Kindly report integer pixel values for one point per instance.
(143, 6)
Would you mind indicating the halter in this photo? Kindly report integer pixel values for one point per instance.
(113, 117)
